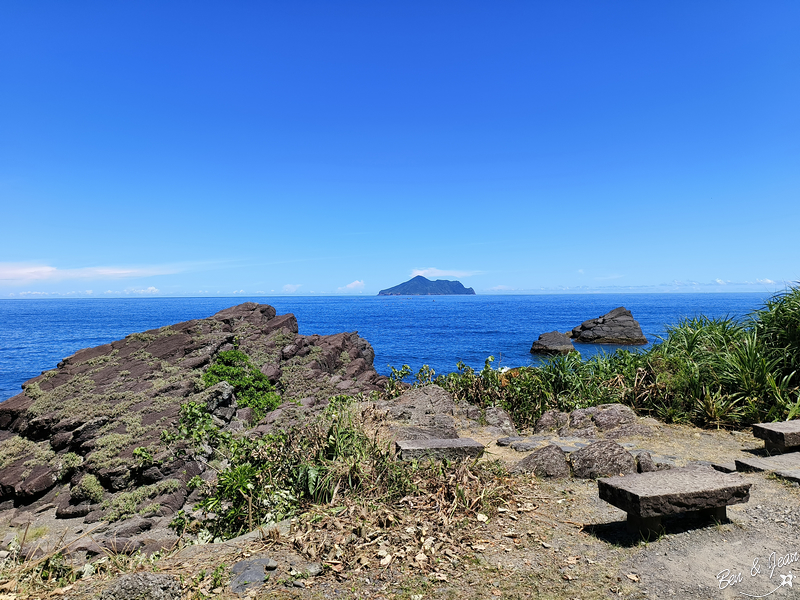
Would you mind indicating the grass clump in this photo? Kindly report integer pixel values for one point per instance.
(88, 489)
(252, 387)
(130, 503)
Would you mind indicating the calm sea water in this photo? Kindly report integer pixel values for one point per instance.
(439, 331)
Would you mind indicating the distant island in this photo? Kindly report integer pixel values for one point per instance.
(420, 286)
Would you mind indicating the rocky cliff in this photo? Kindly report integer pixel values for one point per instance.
(87, 432)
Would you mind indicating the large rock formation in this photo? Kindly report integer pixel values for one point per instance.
(421, 286)
(72, 433)
(553, 343)
(616, 327)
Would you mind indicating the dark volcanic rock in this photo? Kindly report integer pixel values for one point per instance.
(616, 327)
(88, 415)
(251, 573)
(144, 586)
(644, 463)
(549, 461)
(551, 420)
(611, 421)
(602, 459)
(420, 286)
(553, 343)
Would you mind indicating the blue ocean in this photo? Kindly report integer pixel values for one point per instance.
(438, 331)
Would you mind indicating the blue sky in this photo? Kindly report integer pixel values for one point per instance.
(197, 148)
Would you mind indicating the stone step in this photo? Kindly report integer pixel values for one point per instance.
(450, 449)
(783, 436)
(780, 462)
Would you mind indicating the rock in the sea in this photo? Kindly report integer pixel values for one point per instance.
(549, 461)
(602, 459)
(553, 342)
(616, 327)
(143, 586)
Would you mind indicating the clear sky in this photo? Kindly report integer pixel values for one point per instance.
(207, 148)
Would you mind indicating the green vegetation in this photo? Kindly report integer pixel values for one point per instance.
(270, 478)
(710, 372)
(251, 386)
(88, 489)
(67, 464)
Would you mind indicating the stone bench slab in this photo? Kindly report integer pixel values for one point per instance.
(659, 493)
(780, 436)
(790, 475)
(450, 449)
(781, 462)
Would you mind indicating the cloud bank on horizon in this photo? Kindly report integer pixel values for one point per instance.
(541, 148)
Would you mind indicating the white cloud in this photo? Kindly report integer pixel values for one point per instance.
(356, 285)
(720, 281)
(291, 288)
(580, 271)
(501, 288)
(22, 273)
(767, 281)
(434, 272)
(609, 277)
(147, 290)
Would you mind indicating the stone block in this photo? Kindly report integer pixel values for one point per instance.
(782, 437)
(439, 449)
(648, 496)
(780, 462)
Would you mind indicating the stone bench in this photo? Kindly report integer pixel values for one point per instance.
(779, 437)
(779, 462)
(647, 497)
(450, 449)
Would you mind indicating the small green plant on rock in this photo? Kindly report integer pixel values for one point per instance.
(88, 489)
(143, 457)
(252, 387)
(67, 464)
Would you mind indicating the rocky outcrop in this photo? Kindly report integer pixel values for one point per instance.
(553, 343)
(429, 412)
(76, 427)
(616, 327)
(610, 421)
